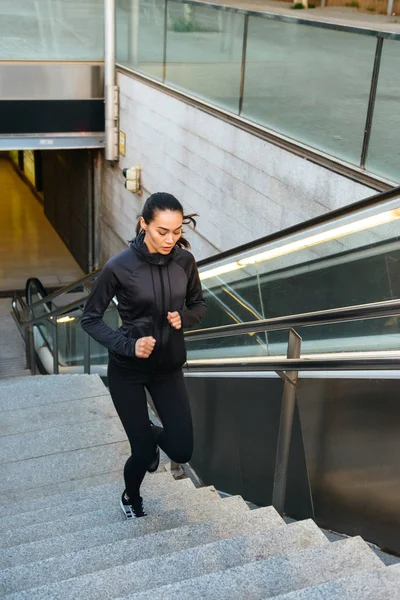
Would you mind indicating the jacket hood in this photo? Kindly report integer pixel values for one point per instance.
(139, 247)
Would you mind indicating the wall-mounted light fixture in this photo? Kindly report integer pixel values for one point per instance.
(132, 182)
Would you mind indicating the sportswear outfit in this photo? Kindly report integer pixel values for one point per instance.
(147, 287)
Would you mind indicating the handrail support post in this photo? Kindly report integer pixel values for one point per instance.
(285, 425)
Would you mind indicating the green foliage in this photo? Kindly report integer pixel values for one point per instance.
(183, 26)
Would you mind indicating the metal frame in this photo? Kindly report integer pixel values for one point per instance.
(110, 89)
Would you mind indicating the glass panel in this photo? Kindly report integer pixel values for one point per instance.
(51, 30)
(71, 340)
(140, 35)
(204, 52)
(384, 150)
(311, 84)
(352, 260)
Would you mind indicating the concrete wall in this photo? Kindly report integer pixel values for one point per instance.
(242, 187)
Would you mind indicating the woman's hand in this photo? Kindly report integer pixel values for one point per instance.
(174, 319)
(144, 347)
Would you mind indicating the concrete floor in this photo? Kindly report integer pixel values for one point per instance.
(29, 246)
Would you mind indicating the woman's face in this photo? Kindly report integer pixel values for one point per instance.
(162, 233)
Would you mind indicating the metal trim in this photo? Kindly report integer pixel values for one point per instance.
(243, 66)
(302, 364)
(371, 102)
(164, 69)
(314, 155)
(51, 142)
(58, 80)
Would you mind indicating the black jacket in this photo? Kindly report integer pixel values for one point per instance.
(147, 286)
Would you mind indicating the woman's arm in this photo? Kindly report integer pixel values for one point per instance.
(92, 320)
(195, 306)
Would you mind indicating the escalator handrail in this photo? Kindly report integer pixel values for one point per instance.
(62, 310)
(68, 288)
(369, 202)
(386, 308)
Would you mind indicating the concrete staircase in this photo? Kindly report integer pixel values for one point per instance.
(63, 535)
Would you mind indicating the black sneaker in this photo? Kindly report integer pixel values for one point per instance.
(155, 463)
(132, 509)
(153, 466)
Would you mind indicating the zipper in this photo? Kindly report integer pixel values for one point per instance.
(163, 316)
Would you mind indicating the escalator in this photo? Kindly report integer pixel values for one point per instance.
(336, 281)
(347, 258)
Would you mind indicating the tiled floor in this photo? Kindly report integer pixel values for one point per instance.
(29, 246)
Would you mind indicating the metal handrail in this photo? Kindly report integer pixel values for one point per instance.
(291, 364)
(387, 308)
(67, 288)
(54, 313)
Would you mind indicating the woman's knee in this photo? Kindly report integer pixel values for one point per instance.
(181, 453)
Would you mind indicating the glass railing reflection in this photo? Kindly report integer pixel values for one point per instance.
(308, 81)
(347, 261)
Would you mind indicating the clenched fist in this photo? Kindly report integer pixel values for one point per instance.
(174, 319)
(144, 347)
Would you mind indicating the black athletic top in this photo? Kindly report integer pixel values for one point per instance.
(147, 287)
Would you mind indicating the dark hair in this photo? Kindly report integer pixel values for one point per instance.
(164, 201)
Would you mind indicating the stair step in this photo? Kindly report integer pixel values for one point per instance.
(154, 572)
(152, 483)
(9, 501)
(65, 524)
(129, 550)
(12, 367)
(66, 438)
(268, 578)
(380, 584)
(60, 467)
(48, 389)
(107, 533)
(107, 497)
(11, 375)
(49, 416)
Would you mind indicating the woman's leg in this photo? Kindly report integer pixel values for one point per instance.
(127, 389)
(170, 398)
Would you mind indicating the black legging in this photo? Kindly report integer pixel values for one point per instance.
(168, 392)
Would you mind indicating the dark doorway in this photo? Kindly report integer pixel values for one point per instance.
(68, 200)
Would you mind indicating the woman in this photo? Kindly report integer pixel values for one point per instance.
(158, 289)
